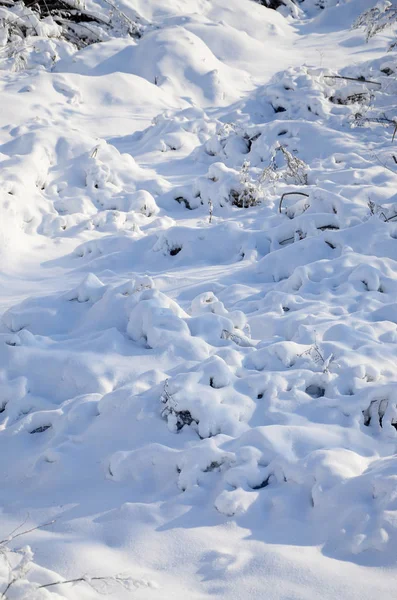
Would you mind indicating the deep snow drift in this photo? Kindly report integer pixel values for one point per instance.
(198, 372)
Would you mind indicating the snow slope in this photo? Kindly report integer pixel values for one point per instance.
(197, 374)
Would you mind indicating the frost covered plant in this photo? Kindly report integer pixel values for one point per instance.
(249, 192)
(270, 174)
(15, 566)
(18, 25)
(382, 16)
(315, 353)
(295, 169)
(18, 563)
(165, 396)
(380, 211)
(217, 143)
(118, 19)
(177, 419)
(225, 130)
(56, 22)
(240, 340)
(376, 209)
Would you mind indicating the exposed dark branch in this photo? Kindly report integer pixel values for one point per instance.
(360, 79)
(10, 583)
(390, 218)
(290, 194)
(382, 119)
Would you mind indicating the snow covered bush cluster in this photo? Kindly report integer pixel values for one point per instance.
(39, 34)
(198, 319)
(378, 18)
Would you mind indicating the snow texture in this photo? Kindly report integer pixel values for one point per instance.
(198, 327)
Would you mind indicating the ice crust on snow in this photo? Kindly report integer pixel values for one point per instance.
(199, 320)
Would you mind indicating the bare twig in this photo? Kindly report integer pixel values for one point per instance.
(317, 356)
(10, 535)
(165, 396)
(384, 165)
(86, 579)
(17, 572)
(290, 194)
(13, 537)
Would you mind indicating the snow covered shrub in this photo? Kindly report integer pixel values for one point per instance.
(296, 169)
(223, 185)
(209, 303)
(385, 214)
(249, 192)
(374, 20)
(156, 320)
(176, 419)
(351, 97)
(112, 179)
(21, 31)
(230, 141)
(291, 5)
(42, 32)
(206, 399)
(245, 188)
(293, 170)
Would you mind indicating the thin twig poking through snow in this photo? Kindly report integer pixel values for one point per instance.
(295, 170)
(132, 27)
(380, 211)
(318, 357)
(123, 580)
(12, 537)
(19, 571)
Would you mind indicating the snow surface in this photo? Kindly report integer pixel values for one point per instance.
(198, 383)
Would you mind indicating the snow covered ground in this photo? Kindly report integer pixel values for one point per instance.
(197, 373)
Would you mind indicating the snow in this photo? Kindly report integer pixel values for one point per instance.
(197, 372)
